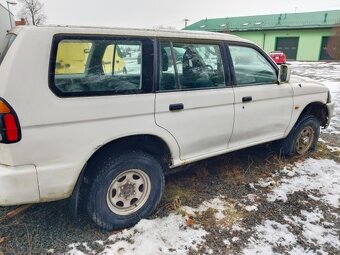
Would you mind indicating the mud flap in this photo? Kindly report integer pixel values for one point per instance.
(75, 199)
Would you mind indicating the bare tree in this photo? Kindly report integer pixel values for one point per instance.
(32, 11)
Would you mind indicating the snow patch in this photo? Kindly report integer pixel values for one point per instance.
(268, 182)
(238, 228)
(235, 239)
(219, 204)
(168, 235)
(250, 208)
(267, 236)
(333, 149)
(320, 175)
(252, 197)
(226, 242)
(315, 229)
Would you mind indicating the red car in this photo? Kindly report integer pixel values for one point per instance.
(278, 56)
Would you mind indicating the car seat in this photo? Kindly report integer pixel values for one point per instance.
(167, 80)
(195, 73)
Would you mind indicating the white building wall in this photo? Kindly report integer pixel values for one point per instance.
(4, 21)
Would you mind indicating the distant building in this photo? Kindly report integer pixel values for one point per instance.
(5, 24)
(301, 36)
(21, 22)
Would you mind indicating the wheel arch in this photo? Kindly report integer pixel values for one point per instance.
(151, 144)
(317, 109)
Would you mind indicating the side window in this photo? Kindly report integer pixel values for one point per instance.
(251, 67)
(190, 66)
(91, 66)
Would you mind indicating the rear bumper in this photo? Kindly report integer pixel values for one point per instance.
(330, 108)
(18, 185)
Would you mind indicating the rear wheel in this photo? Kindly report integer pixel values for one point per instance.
(128, 192)
(302, 138)
(126, 189)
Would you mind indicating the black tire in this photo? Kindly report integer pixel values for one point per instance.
(97, 203)
(288, 146)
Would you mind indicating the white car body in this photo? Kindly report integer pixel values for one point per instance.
(59, 135)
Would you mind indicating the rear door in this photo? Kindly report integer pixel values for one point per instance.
(194, 101)
(262, 107)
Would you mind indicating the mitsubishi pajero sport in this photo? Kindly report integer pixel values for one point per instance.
(99, 115)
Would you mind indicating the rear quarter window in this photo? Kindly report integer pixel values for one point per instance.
(5, 45)
(91, 66)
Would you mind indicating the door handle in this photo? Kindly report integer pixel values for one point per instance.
(246, 99)
(176, 107)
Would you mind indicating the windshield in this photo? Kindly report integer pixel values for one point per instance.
(5, 44)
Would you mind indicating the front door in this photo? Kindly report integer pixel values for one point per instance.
(262, 107)
(193, 102)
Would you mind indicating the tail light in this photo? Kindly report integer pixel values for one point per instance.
(10, 131)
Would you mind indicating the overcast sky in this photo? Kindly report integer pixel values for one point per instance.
(154, 13)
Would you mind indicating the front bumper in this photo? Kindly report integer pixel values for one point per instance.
(330, 109)
(18, 185)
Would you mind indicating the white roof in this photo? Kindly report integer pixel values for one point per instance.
(133, 32)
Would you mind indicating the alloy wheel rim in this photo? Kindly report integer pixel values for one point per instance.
(128, 192)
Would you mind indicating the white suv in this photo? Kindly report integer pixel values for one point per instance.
(99, 114)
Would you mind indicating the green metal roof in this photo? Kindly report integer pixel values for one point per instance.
(320, 19)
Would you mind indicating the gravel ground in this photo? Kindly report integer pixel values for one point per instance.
(230, 177)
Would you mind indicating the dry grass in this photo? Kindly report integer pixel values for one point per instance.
(322, 151)
(231, 216)
(175, 196)
(200, 170)
(233, 174)
(207, 218)
(240, 169)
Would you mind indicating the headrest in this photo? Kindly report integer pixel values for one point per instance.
(193, 65)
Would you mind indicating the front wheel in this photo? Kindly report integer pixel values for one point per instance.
(303, 137)
(126, 189)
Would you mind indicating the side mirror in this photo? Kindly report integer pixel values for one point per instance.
(284, 74)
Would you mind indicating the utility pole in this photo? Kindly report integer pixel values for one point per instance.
(186, 22)
(9, 12)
